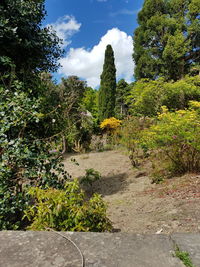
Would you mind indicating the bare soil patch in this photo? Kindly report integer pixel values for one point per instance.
(136, 205)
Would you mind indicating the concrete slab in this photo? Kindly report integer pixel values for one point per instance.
(48, 249)
(189, 242)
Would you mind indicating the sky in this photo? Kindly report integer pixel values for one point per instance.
(87, 27)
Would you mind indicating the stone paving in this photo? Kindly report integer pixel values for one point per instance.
(49, 249)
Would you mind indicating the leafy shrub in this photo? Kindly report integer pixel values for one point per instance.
(90, 177)
(24, 157)
(160, 167)
(67, 210)
(179, 94)
(12, 206)
(147, 97)
(78, 121)
(90, 101)
(176, 134)
(130, 133)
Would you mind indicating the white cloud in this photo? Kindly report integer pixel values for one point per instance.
(65, 27)
(88, 64)
(101, 0)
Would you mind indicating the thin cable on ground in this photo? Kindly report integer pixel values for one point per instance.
(80, 252)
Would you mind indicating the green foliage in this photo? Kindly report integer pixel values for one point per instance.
(130, 134)
(166, 42)
(178, 94)
(176, 134)
(90, 177)
(25, 159)
(107, 90)
(12, 208)
(26, 49)
(67, 210)
(148, 96)
(157, 179)
(72, 89)
(131, 130)
(51, 104)
(184, 257)
(78, 124)
(90, 101)
(35, 114)
(30, 47)
(122, 92)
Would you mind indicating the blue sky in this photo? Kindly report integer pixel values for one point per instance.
(87, 26)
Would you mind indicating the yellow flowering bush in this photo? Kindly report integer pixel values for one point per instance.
(177, 135)
(110, 124)
(194, 104)
(130, 134)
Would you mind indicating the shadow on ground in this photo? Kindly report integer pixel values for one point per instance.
(109, 185)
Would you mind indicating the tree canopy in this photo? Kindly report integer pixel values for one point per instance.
(167, 40)
(24, 42)
(122, 91)
(148, 96)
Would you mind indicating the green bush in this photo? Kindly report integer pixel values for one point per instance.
(90, 177)
(67, 210)
(130, 133)
(176, 134)
(148, 96)
(179, 94)
(24, 156)
(12, 206)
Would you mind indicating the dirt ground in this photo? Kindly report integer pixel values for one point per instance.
(136, 205)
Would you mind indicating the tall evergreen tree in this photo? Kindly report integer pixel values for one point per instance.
(167, 41)
(122, 91)
(107, 89)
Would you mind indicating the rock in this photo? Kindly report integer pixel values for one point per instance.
(48, 249)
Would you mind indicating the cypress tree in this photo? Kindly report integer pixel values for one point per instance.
(107, 89)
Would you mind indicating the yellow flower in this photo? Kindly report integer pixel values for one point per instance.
(194, 104)
(110, 123)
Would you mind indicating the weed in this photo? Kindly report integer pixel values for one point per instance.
(73, 160)
(184, 257)
(90, 177)
(157, 179)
